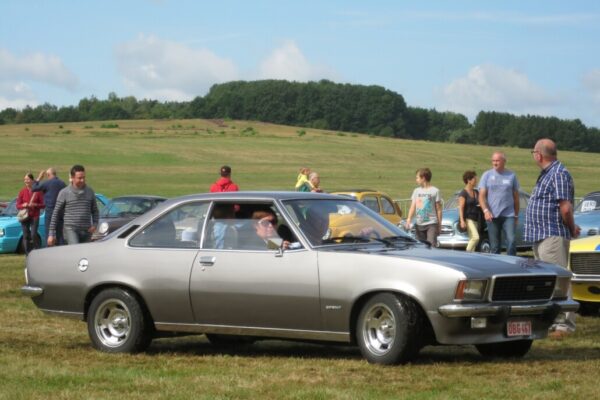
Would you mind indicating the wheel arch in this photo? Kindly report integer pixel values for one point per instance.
(112, 285)
(428, 333)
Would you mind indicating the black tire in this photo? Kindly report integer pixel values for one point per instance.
(514, 349)
(117, 323)
(229, 340)
(20, 247)
(484, 246)
(388, 329)
(588, 309)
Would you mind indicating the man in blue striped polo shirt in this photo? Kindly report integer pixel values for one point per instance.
(549, 221)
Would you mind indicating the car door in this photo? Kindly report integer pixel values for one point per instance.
(255, 288)
(164, 252)
(389, 210)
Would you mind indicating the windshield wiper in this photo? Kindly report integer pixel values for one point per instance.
(347, 239)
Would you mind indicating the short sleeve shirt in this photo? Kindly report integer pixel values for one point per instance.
(543, 218)
(425, 200)
(500, 188)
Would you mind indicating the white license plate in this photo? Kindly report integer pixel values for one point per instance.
(518, 328)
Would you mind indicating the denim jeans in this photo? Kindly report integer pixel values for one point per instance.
(59, 227)
(502, 227)
(30, 234)
(74, 236)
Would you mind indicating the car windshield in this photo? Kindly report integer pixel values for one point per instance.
(589, 203)
(10, 210)
(128, 207)
(452, 203)
(327, 222)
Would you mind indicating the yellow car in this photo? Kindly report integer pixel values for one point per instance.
(584, 262)
(377, 201)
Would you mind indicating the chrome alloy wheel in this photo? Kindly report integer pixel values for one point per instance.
(379, 329)
(112, 322)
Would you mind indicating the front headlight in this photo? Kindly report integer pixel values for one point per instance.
(103, 228)
(561, 288)
(470, 289)
(1, 232)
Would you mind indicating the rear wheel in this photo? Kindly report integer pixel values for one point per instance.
(117, 323)
(388, 329)
(514, 349)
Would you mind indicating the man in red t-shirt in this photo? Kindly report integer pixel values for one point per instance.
(224, 183)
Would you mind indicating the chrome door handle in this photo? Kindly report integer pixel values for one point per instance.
(207, 260)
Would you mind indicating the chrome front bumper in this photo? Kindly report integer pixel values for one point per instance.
(490, 310)
(31, 291)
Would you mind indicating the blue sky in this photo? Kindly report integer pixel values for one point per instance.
(522, 57)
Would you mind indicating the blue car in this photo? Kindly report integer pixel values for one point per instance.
(11, 234)
(587, 214)
(451, 237)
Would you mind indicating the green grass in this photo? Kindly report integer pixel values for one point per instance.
(173, 158)
(43, 357)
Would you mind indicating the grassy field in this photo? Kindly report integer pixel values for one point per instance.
(44, 357)
(172, 158)
(51, 358)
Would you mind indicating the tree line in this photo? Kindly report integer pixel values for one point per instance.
(371, 110)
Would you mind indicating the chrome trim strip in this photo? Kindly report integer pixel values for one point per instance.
(254, 331)
(65, 314)
(585, 278)
(31, 291)
(486, 310)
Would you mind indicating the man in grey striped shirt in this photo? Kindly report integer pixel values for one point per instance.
(76, 207)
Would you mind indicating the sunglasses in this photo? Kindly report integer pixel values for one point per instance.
(266, 222)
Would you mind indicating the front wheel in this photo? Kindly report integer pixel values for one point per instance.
(117, 322)
(388, 329)
(514, 349)
(588, 309)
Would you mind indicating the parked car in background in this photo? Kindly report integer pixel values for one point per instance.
(587, 214)
(584, 263)
(120, 210)
(368, 283)
(377, 201)
(451, 236)
(11, 234)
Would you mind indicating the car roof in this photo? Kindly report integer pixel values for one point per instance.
(140, 196)
(258, 195)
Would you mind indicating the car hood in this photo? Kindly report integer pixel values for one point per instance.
(7, 220)
(588, 218)
(590, 243)
(472, 264)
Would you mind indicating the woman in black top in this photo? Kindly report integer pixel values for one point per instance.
(469, 210)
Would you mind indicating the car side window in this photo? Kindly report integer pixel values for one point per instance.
(371, 202)
(179, 228)
(248, 226)
(388, 207)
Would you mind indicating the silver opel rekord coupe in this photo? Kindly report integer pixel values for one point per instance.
(308, 266)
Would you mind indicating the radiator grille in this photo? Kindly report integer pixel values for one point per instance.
(585, 263)
(521, 288)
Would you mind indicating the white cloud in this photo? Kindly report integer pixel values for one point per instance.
(492, 88)
(160, 69)
(288, 62)
(19, 76)
(38, 67)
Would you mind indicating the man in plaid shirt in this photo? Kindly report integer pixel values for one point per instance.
(549, 221)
